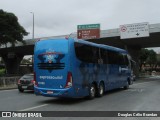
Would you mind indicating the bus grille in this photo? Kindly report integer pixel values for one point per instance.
(51, 66)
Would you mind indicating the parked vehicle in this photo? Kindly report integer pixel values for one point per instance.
(26, 82)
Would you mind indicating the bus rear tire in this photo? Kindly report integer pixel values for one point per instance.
(100, 90)
(92, 91)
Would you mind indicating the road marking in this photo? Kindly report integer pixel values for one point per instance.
(31, 108)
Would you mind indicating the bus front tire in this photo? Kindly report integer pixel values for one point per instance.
(130, 82)
(100, 90)
(126, 86)
(92, 91)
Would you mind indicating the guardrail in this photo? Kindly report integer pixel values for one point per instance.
(8, 82)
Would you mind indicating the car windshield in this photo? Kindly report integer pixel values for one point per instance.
(27, 77)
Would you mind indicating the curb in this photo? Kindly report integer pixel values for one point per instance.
(7, 88)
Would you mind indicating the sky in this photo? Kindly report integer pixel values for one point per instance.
(61, 17)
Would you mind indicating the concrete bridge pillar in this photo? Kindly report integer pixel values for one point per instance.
(12, 62)
(135, 53)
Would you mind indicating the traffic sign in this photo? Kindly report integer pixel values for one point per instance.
(136, 30)
(89, 31)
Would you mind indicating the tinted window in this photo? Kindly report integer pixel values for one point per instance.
(113, 57)
(86, 53)
(91, 54)
(126, 60)
(121, 60)
(117, 58)
(27, 77)
(104, 55)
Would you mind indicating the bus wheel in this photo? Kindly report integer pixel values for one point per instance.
(92, 91)
(130, 82)
(126, 86)
(100, 90)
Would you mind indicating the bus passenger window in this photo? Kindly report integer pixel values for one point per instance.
(86, 53)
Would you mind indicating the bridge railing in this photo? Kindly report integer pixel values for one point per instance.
(9, 82)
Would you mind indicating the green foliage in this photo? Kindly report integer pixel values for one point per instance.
(158, 59)
(143, 55)
(10, 30)
(152, 58)
(148, 57)
(2, 72)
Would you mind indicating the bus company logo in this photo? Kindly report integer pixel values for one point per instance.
(6, 114)
(50, 56)
(51, 60)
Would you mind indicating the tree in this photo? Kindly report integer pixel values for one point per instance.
(158, 61)
(148, 57)
(143, 57)
(10, 30)
(152, 58)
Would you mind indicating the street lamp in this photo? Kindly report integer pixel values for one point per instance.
(32, 33)
(33, 25)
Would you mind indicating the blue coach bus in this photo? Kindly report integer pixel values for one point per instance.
(78, 68)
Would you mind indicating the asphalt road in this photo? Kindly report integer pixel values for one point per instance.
(143, 95)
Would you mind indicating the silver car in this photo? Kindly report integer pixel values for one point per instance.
(26, 82)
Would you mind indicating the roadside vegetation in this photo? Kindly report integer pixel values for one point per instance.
(149, 61)
(2, 71)
(10, 29)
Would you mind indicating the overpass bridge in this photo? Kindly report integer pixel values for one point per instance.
(12, 56)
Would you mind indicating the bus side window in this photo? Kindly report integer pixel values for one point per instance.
(86, 53)
(120, 58)
(95, 55)
(126, 60)
(112, 57)
(104, 56)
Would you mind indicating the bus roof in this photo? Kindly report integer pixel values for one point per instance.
(101, 46)
(92, 44)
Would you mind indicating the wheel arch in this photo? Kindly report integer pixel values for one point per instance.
(102, 81)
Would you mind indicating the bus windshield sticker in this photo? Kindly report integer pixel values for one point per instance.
(51, 60)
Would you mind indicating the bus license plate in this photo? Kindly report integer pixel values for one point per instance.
(50, 92)
(24, 87)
